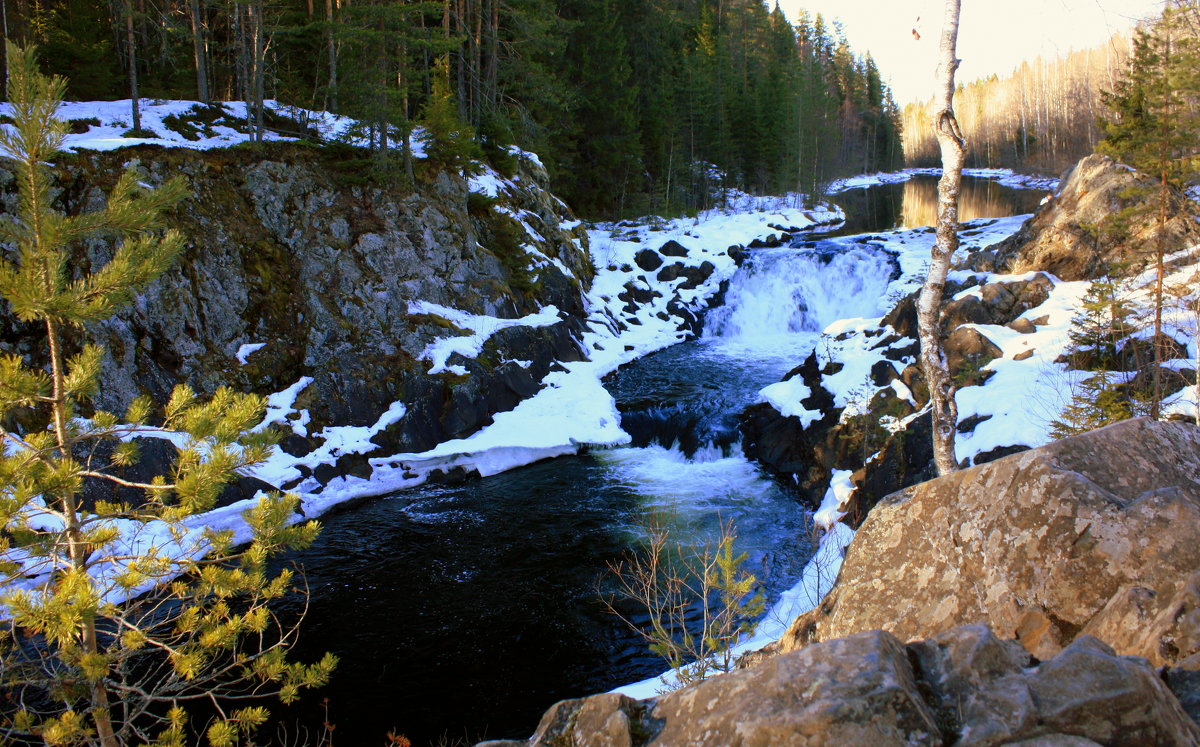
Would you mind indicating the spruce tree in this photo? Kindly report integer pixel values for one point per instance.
(1106, 318)
(1154, 125)
(115, 617)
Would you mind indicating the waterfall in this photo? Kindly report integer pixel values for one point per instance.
(786, 292)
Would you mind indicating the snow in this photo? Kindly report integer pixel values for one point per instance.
(245, 351)
(481, 328)
(116, 117)
(1005, 177)
(836, 499)
(786, 397)
(573, 410)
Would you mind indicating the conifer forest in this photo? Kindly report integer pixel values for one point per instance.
(636, 106)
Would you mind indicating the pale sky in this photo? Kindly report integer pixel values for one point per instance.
(994, 35)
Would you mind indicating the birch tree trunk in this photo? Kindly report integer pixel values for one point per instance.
(953, 147)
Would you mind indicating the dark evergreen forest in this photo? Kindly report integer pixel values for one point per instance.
(636, 106)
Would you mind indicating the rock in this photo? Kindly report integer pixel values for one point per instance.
(999, 452)
(771, 241)
(1036, 545)
(967, 351)
(634, 293)
(903, 317)
(1024, 355)
(1139, 352)
(296, 445)
(968, 425)
(673, 249)
(648, 260)
(964, 686)
(883, 373)
(694, 276)
(670, 272)
(599, 721)
(354, 465)
(1061, 237)
(1089, 691)
(786, 447)
(326, 473)
(1024, 326)
(997, 303)
(858, 690)
(243, 488)
(1184, 681)
(287, 249)
(903, 460)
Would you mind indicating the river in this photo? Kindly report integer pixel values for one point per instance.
(462, 612)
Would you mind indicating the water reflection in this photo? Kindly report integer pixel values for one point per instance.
(913, 203)
(980, 198)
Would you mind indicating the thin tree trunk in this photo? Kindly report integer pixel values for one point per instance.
(332, 52)
(1159, 250)
(1196, 342)
(260, 62)
(4, 51)
(953, 148)
(198, 51)
(131, 48)
(76, 546)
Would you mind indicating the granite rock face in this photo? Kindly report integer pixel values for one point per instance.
(308, 253)
(1061, 238)
(963, 687)
(1096, 534)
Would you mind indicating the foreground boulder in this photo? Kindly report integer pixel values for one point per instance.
(964, 687)
(1067, 235)
(1095, 534)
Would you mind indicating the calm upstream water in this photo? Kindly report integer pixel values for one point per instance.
(462, 613)
(913, 203)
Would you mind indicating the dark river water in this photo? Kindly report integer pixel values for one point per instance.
(462, 613)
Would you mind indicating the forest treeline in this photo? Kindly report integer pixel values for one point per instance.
(1042, 118)
(636, 106)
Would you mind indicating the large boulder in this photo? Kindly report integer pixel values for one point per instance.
(1068, 235)
(1095, 534)
(963, 687)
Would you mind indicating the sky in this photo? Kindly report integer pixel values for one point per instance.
(994, 35)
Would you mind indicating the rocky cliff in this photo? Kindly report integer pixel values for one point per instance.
(1089, 226)
(305, 262)
(1095, 534)
(962, 687)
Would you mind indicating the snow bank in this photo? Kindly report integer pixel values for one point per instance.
(181, 124)
(1006, 177)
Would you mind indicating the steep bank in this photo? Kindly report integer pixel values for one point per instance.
(301, 252)
(400, 331)
(851, 424)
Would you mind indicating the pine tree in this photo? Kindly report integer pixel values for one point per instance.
(114, 617)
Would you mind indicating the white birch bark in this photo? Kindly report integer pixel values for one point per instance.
(953, 146)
